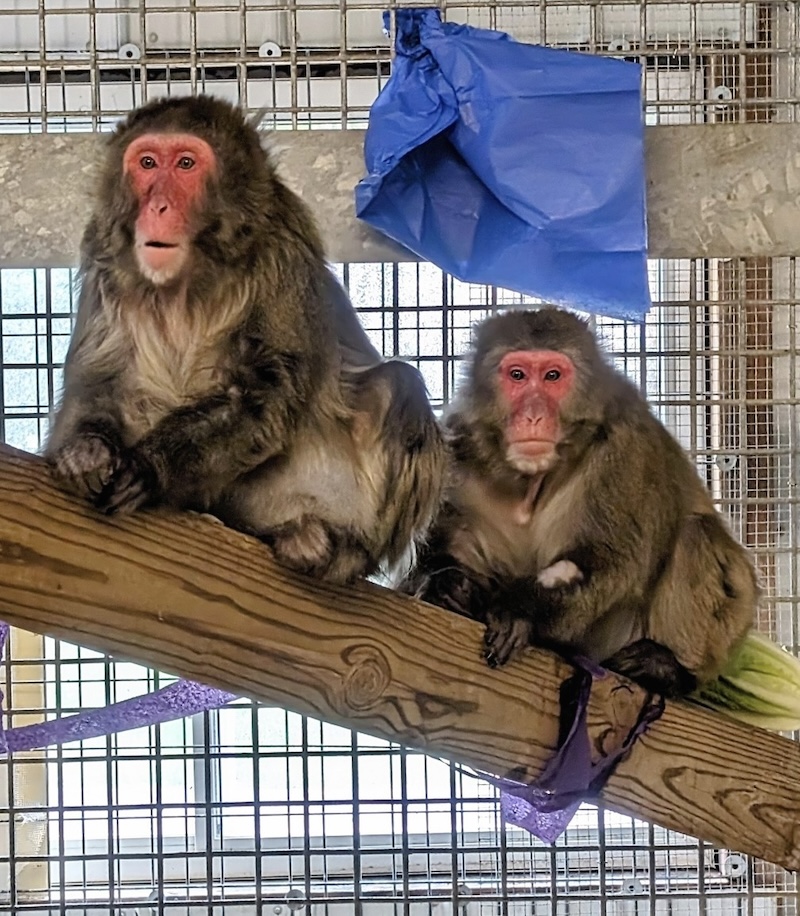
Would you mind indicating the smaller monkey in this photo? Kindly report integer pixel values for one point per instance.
(217, 365)
(573, 520)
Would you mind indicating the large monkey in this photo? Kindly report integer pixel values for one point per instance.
(574, 520)
(217, 365)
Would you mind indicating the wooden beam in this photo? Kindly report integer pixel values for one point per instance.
(187, 595)
(714, 190)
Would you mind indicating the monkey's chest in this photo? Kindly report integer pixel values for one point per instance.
(511, 534)
(162, 377)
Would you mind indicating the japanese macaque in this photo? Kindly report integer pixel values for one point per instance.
(217, 365)
(573, 520)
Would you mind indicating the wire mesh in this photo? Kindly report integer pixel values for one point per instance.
(255, 810)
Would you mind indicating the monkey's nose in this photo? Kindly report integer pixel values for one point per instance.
(158, 205)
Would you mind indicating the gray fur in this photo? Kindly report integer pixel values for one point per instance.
(657, 568)
(249, 390)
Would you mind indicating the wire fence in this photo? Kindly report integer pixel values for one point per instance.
(255, 810)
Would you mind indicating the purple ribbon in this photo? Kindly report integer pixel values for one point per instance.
(544, 807)
(547, 805)
(176, 701)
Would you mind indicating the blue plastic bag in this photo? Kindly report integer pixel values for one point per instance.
(512, 164)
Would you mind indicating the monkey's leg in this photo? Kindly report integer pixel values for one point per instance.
(443, 581)
(312, 546)
(707, 599)
(653, 666)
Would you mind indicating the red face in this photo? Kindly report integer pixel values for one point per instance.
(534, 384)
(169, 174)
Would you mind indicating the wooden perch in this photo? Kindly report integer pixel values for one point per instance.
(186, 595)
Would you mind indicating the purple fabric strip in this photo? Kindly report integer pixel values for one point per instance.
(546, 806)
(176, 701)
(3, 639)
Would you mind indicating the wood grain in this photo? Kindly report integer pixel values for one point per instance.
(187, 595)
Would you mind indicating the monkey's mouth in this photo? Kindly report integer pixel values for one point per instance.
(532, 445)
(161, 261)
(532, 456)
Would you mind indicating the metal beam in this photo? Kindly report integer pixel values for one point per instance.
(723, 190)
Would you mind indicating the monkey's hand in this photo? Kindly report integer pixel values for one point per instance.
(507, 634)
(86, 465)
(134, 484)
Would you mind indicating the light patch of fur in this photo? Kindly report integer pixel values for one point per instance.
(321, 476)
(562, 572)
(173, 354)
(507, 530)
(530, 464)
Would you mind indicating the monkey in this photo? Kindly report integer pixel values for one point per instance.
(217, 365)
(573, 520)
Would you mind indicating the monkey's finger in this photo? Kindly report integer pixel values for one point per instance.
(98, 479)
(125, 494)
(496, 628)
(126, 501)
(506, 641)
(125, 504)
(491, 641)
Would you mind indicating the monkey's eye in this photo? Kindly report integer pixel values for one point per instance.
(516, 374)
(147, 162)
(186, 163)
(552, 376)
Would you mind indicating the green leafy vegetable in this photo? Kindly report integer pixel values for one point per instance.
(760, 685)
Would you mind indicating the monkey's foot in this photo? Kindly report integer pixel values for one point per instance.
(451, 588)
(506, 637)
(86, 465)
(134, 484)
(654, 667)
(311, 546)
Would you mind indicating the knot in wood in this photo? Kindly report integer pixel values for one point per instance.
(368, 677)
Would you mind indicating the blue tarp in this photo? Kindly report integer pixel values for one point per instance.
(512, 164)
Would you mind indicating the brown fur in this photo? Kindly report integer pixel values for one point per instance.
(623, 509)
(247, 387)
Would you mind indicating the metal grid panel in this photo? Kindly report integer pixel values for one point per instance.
(67, 64)
(341, 819)
(253, 810)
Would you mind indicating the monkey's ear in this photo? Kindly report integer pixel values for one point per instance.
(257, 117)
(265, 137)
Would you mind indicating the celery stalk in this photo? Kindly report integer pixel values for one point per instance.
(760, 685)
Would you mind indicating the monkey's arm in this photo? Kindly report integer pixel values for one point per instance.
(195, 451)
(85, 438)
(441, 580)
(600, 610)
